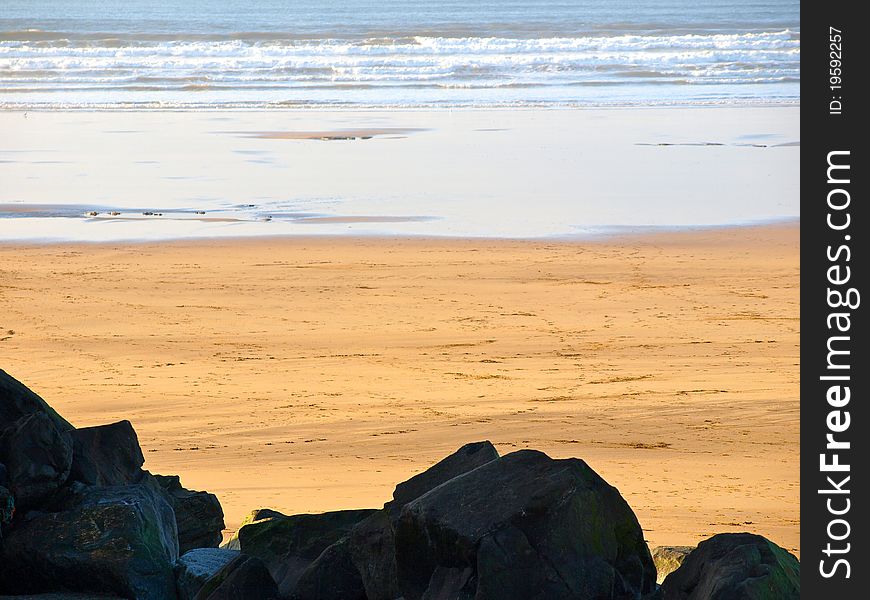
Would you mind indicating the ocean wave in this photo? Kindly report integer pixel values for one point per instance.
(191, 104)
(520, 31)
(34, 62)
(109, 45)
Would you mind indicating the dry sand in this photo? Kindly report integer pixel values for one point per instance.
(314, 374)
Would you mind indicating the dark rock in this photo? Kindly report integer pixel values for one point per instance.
(199, 516)
(117, 540)
(106, 455)
(668, 559)
(469, 457)
(243, 578)
(37, 457)
(332, 576)
(197, 566)
(735, 566)
(523, 527)
(371, 548)
(17, 401)
(288, 545)
(4, 475)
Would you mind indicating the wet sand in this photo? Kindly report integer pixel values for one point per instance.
(491, 173)
(311, 374)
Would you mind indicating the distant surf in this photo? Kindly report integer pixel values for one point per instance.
(495, 54)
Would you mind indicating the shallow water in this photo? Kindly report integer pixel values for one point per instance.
(513, 173)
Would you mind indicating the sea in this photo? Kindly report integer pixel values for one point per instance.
(397, 53)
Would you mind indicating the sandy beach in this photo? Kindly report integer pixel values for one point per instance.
(300, 255)
(310, 374)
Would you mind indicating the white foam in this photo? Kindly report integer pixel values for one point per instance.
(146, 66)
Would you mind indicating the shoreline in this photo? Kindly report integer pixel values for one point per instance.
(627, 233)
(311, 374)
(363, 108)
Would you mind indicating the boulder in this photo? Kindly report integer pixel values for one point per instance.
(668, 559)
(17, 401)
(522, 527)
(197, 566)
(115, 540)
(198, 515)
(243, 578)
(332, 576)
(288, 545)
(37, 456)
(258, 514)
(735, 566)
(106, 455)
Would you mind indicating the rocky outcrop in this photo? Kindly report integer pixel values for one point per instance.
(288, 545)
(243, 578)
(198, 515)
(520, 527)
(119, 540)
(78, 512)
(735, 566)
(37, 456)
(197, 566)
(81, 519)
(106, 455)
